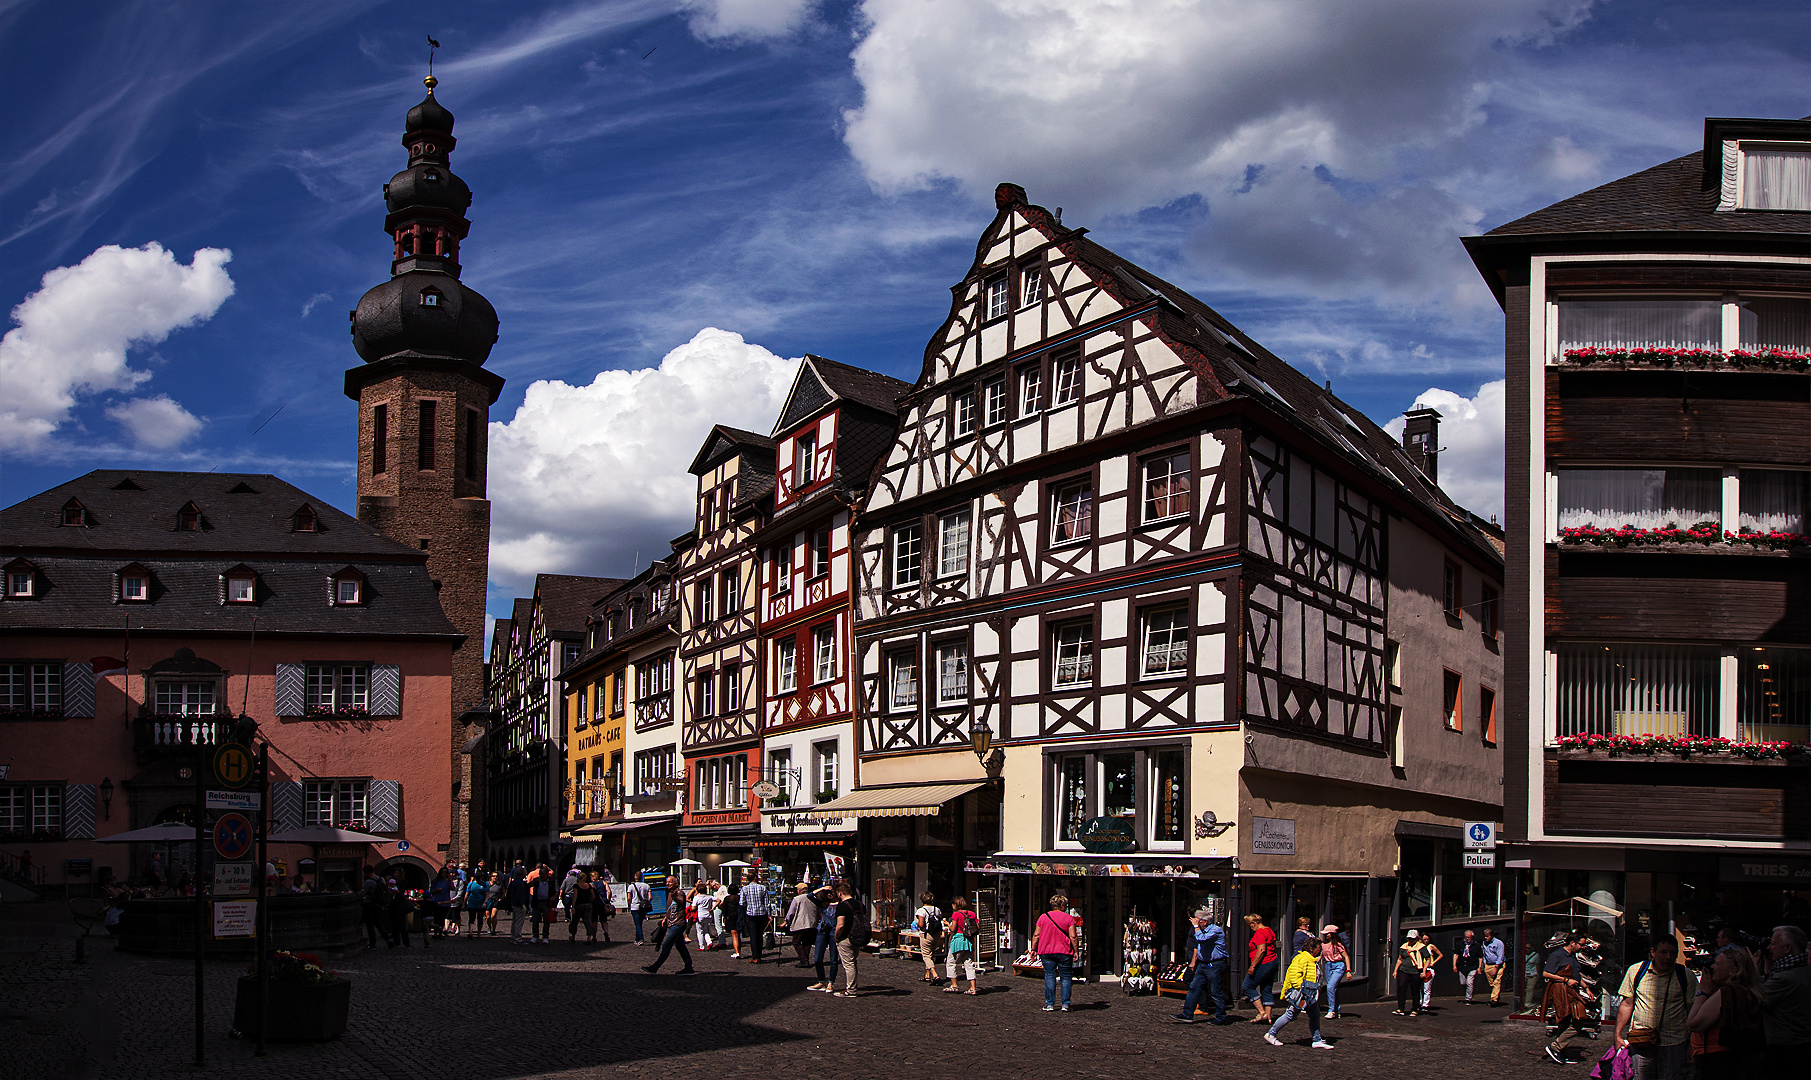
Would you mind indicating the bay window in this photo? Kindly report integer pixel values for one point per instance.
(993, 394)
(1774, 322)
(1144, 787)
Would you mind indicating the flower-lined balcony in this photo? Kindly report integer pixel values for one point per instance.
(1682, 747)
(1679, 508)
(1621, 358)
(1704, 534)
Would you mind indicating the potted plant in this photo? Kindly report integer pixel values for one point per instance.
(305, 1002)
(826, 795)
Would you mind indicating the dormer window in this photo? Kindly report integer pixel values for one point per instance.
(134, 584)
(188, 519)
(805, 461)
(241, 585)
(1776, 176)
(430, 298)
(21, 580)
(304, 520)
(346, 588)
(74, 515)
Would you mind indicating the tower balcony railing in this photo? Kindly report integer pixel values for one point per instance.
(161, 734)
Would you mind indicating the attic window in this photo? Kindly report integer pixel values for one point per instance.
(1034, 285)
(430, 298)
(21, 579)
(348, 588)
(304, 520)
(999, 296)
(188, 519)
(134, 584)
(1776, 176)
(74, 515)
(241, 585)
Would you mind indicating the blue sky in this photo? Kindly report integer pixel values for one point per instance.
(673, 198)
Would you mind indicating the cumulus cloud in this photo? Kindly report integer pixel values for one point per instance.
(155, 423)
(584, 477)
(1303, 125)
(73, 333)
(746, 20)
(1471, 444)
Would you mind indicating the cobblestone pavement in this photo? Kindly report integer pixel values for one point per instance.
(483, 1008)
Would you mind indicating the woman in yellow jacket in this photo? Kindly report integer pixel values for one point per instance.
(1302, 985)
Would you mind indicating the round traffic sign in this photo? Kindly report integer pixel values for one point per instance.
(1480, 831)
(233, 765)
(402, 845)
(232, 836)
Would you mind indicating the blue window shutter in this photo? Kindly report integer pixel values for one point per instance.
(385, 697)
(286, 804)
(78, 811)
(385, 799)
(78, 697)
(292, 689)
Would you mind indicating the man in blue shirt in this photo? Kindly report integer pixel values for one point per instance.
(1493, 965)
(1207, 969)
(753, 900)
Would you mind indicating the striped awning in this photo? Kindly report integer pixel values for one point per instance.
(805, 841)
(921, 801)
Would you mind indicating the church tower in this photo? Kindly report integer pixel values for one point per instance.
(424, 402)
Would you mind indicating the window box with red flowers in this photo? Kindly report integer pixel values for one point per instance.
(1703, 534)
(343, 712)
(1709, 359)
(1681, 747)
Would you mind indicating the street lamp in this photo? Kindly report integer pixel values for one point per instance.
(107, 798)
(991, 757)
(983, 740)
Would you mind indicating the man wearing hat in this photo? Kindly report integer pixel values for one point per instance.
(1207, 969)
(1407, 974)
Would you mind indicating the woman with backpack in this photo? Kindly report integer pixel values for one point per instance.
(1725, 1020)
(963, 925)
(928, 921)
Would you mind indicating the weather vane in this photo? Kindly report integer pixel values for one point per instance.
(432, 45)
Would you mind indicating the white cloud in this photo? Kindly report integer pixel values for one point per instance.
(1471, 444)
(155, 423)
(73, 333)
(746, 20)
(313, 302)
(1303, 125)
(586, 477)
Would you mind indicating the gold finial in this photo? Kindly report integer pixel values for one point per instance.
(431, 82)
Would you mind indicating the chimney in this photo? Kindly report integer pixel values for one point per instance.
(1421, 438)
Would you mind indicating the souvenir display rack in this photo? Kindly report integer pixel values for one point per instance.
(1138, 975)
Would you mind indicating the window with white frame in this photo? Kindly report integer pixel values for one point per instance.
(135, 586)
(732, 688)
(962, 413)
(993, 401)
(20, 582)
(652, 767)
(1146, 788)
(721, 783)
(241, 589)
(782, 568)
(654, 676)
(707, 694)
(1166, 486)
(1072, 511)
(1776, 177)
(181, 698)
(902, 681)
(786, 660)
(1072, 653)
(705, 601)
(823, 649)
(1066, 374)
(29, 811)
(1032, 289)
(348, 590)
(1643, 498)
(952, 672)
(730, 585)
(805, 460)
(824, 767)
(1031, 389)
(1165, 651)
(31, 687)
(779, 770)
(907, 546)
(999, 296)
(1774, 322)
(333, 687)
(952, 542)
(334, 803)
(820, 552)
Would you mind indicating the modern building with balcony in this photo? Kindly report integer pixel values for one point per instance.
(145, 611)
(1658, 639)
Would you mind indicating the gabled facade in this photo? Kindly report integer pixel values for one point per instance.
(526, 753)
(1658, 334)
(836, 422)
(718, 686)
(1152, 568)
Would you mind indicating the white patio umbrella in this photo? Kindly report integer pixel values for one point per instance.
(686, 862)
(167, 833)
(734, 862)
(325, 834)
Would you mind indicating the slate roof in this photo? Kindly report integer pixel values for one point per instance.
(860, 385)
(1670, 197)
(566, 600)
(246, 520)
(241, 512)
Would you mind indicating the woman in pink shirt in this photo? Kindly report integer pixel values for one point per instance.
(1056, 944)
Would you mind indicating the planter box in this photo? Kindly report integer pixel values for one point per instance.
(1668, 758)
(297, 1012)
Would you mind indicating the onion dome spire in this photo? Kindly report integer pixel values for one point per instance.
(424, 309)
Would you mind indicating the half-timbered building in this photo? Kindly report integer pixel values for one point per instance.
(719, 654)
(1658, 335)
(836, 423)
(1155, 575)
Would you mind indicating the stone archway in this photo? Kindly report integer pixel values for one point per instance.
(409, 871)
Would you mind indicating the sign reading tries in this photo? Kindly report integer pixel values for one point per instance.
(1272, 836)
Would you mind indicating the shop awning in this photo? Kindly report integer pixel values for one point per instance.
(624, 826)
(1145, 865)
(805, 841)
(921, 801)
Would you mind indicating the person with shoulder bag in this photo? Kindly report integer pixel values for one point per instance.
(964, 926)
(1057, 942)
(801, 923)
(928, 921)
(1302, 994)
(1335, 958)
(1651, 1024)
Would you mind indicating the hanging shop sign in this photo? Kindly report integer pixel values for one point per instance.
(1761, 870)
(1272, 836)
